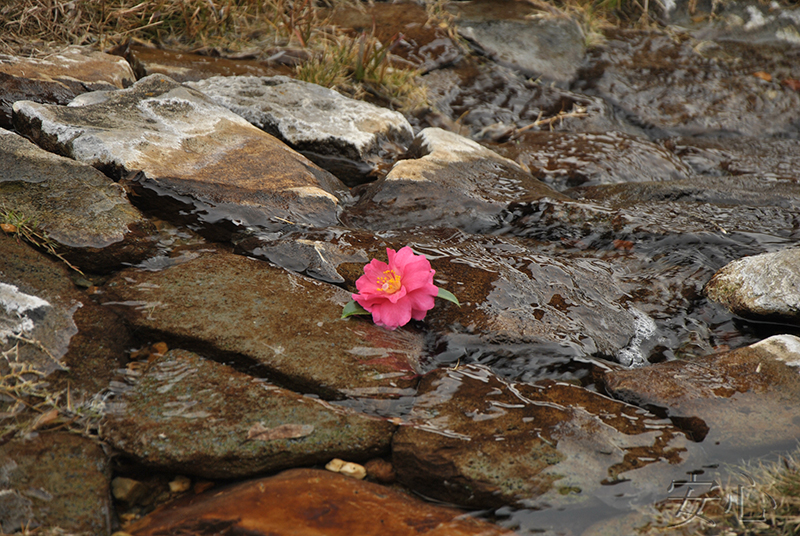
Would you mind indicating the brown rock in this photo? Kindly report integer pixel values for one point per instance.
(59, 77)
(54, 480)
(741, 399)
(309, 502)
(475, 439)
(380, 470)
(251, 313)
(186, 150)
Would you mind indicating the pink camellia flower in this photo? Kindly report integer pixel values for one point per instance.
(397, 292)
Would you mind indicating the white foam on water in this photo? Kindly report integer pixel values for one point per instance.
(16, 304)
(643, 328)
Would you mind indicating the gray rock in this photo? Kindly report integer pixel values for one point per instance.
(550, 48)
(288, 326)
(765, 286)
(190, 415)
(59, 77)
(189, 149)
(57, 480)
(735, 402)
(347, 137)
(452, 182)
(474, 439)
(75, 205)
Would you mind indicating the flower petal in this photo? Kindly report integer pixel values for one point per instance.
(391, 315)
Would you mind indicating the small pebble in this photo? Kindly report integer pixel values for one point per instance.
(350, 469)
(180, 484)
(128, 490)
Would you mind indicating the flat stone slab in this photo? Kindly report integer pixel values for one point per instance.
(56, 480)
(75, 205)
(742, 399)
(452, 182)
(474, 439)
(310, 501)
(347, 137)
(247, 311)
(180, 417)
(58, 78)
(765, 286)
(188, 149)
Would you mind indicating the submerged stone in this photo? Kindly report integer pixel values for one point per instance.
(73, 204)
(679, 86)
(187, 150)
(474, 439)
(563, 160)
(742, 400)
(56, 481)
(452, 182)
(348, 137)
(190, 415)
(286, 326)
(765, 286)
(58, 78)
(767, 158)
(309, 501)
(509, 296)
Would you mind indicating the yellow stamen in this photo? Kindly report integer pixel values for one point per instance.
(390, 283)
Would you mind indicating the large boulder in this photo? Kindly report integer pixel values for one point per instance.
(177, 146)
(348, 137)
(452, 181)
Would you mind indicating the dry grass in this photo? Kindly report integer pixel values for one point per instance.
(229, 27)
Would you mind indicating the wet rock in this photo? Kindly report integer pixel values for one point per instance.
(253, 314)
(682, 87)
(763, 286)
(744, 399)
(179, 417)
(76, 206)
(474, 439)
(491, 102)
(509, 296)
(187, 150)
(59, 77)
(702, 204)
(564, 160)
(349, 138)
(407, 27)
(518, 36)
(452, 182)
(308, 501)
(54, 481)
(768, 158)
(62, 325)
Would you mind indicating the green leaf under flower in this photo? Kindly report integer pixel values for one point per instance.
(353, 308)
(447, 295)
